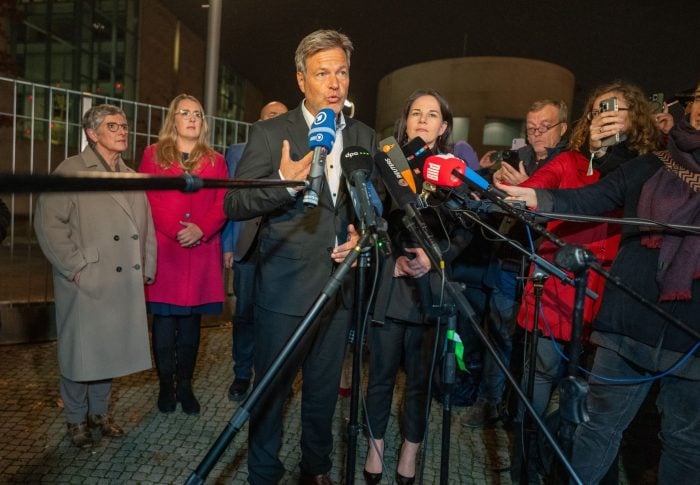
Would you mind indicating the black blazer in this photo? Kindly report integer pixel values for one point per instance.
(293, 258)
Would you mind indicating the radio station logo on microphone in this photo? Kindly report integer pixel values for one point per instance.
(318, 137)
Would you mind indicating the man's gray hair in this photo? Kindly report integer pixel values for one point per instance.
(94, 117)
(321, 40)
(559, 104)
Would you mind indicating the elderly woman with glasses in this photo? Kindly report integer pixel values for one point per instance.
(188, 226)
(102, 249)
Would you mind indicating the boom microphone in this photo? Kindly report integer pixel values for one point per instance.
(450, 171)
(321, 139)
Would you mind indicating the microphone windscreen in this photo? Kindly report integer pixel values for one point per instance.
(465, 151)
(391, 147)
(322, 131)
(416, 152)
(438, 170)
(353, 159)
(394, 182)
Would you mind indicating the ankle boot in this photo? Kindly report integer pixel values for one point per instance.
(185, 396)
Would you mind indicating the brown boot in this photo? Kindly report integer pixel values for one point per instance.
(80, 435)
(106, 425)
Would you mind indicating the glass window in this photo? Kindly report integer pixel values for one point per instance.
(501, 131)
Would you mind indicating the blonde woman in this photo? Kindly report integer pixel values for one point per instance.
(188, 225)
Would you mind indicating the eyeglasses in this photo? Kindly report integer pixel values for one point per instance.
(114, 127)
(596, 112)
(185, 113)
(541, 129)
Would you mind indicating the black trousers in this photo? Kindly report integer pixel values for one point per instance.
(387, 344)
(320, 356)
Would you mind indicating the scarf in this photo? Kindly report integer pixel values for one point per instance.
(672, 195)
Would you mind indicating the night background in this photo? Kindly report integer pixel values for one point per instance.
(652, 44)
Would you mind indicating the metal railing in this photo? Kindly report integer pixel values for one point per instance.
(40, 126)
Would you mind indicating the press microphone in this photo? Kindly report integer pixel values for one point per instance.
(398, 189)
(356, 165)
(391, 147)
(321, 139)
(450, 171)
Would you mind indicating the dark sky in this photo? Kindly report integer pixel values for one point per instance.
(655, 44)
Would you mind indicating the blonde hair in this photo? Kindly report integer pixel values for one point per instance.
(167, 153)
(643, 135)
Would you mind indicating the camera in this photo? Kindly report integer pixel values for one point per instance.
(610, 104)
(510, 157)
(656, 101)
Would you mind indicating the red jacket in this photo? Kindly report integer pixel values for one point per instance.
(568, 171)
(187, 276)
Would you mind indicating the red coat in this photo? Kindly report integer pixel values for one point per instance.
(568, 171)
(187, 276)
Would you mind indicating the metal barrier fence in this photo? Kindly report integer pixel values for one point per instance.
(39, 128)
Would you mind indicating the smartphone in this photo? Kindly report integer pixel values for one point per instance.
(510, 157)
(656, 101)
(610, 104)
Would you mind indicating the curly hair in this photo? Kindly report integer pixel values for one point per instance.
(643, 135)
(441, 144)
(167, 153)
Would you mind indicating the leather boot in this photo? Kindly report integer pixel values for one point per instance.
(165, 364)
(166, 395)
(186, 359)
(163, 338)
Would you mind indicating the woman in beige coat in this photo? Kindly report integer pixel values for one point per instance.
(102, 248)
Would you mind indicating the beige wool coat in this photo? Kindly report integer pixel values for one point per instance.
(109, 238)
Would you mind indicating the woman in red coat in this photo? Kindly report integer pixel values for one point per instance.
(587, 162)
(189, 279)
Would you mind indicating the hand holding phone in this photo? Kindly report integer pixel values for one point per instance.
(608, 120)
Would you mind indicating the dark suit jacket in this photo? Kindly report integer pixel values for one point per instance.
(294, 262)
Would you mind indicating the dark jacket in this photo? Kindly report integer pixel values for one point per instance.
(294, 262)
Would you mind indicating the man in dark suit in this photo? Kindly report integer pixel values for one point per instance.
(298, 250)
(243, 253)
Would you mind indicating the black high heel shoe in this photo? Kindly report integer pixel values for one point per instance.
(401, 480)
(372, 478)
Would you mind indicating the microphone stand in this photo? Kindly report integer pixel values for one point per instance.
(241, 415)
(425, 239)
(353, 428)
(528, 430)
(449, 374)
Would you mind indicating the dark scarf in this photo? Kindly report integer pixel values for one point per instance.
(672, 195)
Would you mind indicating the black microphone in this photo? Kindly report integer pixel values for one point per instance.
(356, 164)
(399, 190)
(321, 139)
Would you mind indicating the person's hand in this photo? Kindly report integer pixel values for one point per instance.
(607, 123)
(510, 175)
(76, 279)
(190, 236)
(341, 251)
(228, 259)
(413, 268)
(664, 120)
(485, 161)
(525, 194)
(294, 170)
